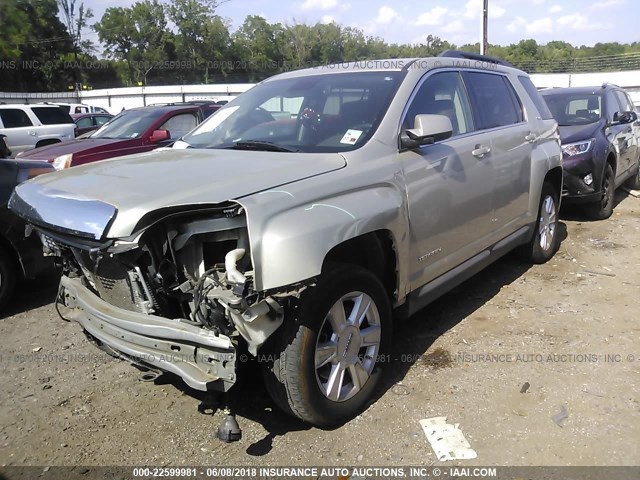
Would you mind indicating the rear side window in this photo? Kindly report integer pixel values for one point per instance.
(14, 118)
(51, 115)
(101, 119)
(535, 96)
(495, 103)
(84, 122)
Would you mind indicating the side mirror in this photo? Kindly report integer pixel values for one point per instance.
(624, 117)
(427, 129)
(159, 136)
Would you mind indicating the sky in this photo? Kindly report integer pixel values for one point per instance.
(579, 22)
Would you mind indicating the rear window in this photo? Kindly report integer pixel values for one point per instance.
(14, 118)
(51, 115)
(537, 99)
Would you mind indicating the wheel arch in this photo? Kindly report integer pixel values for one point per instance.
(375, 251)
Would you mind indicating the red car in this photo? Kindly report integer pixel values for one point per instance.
(131, 131)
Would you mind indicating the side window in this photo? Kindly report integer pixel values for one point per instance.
(494, 101)
(613, 105)
(101, 119)
(537, 99)
(624, 101)
(14, 118)
(51, 115)
(442, 94)
(84, 122)
(180, 124)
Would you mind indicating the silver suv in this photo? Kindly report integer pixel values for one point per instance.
(34, 126)
(292, 222)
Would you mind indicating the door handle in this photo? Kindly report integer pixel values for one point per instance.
(32, 133)
(531, 137)
(480, 151)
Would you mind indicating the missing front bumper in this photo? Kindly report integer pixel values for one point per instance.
(204, 360)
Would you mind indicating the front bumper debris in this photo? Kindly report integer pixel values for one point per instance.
(204, 360)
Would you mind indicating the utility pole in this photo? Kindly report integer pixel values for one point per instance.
(485, 16)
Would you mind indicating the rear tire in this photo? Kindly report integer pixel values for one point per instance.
(323, 365)
(545, 241)
(603, 208)
(8, 274)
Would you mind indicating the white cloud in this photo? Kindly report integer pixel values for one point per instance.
(517, 24)
(578, 21)
(435, 16)
(538, 2)
(540, 27)
(386, 15)
(345, 7)
(327, 19)
(604, 4)
(555, 9)
(319, 4)
(454, 27)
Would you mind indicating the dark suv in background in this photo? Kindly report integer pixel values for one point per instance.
(136, 130)
(600, 132)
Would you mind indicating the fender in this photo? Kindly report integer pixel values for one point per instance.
(283, 255)
(545, 156)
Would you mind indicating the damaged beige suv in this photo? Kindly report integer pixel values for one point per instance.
(292, 222)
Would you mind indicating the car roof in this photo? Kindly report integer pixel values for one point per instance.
(27, 105)
(578, 90)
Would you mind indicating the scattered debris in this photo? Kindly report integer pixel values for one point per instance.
(595, 394)
(447, 440)
(633, 193)
(525, 387)
(399, 389)
(593, 272)
(561, 416)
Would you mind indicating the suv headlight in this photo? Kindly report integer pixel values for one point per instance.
(63, 161)
(577, 148)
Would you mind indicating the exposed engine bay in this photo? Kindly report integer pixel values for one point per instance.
(193, 269)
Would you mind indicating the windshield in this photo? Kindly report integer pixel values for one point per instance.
(127, 124)
(574, 108)
(319, 113)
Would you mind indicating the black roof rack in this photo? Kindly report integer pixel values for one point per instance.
(474, 56)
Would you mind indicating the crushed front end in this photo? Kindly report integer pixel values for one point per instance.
(175, 296)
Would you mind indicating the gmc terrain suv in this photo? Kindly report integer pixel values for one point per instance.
(600, 133)
(34, 126)
(290, 223)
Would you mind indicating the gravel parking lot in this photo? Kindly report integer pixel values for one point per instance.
(569, 329)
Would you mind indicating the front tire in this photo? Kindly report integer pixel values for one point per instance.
(323, 366)
(545, 241)
(603, 208)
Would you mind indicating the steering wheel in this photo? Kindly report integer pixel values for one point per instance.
(310, 119)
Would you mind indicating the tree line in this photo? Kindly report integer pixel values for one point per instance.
(55, 45)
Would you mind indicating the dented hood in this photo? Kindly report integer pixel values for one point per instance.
(107, 199)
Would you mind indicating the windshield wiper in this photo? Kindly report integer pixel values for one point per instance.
(261, 145)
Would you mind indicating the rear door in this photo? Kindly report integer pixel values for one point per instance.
(18, 128)
(449, 183)
(499, 113)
